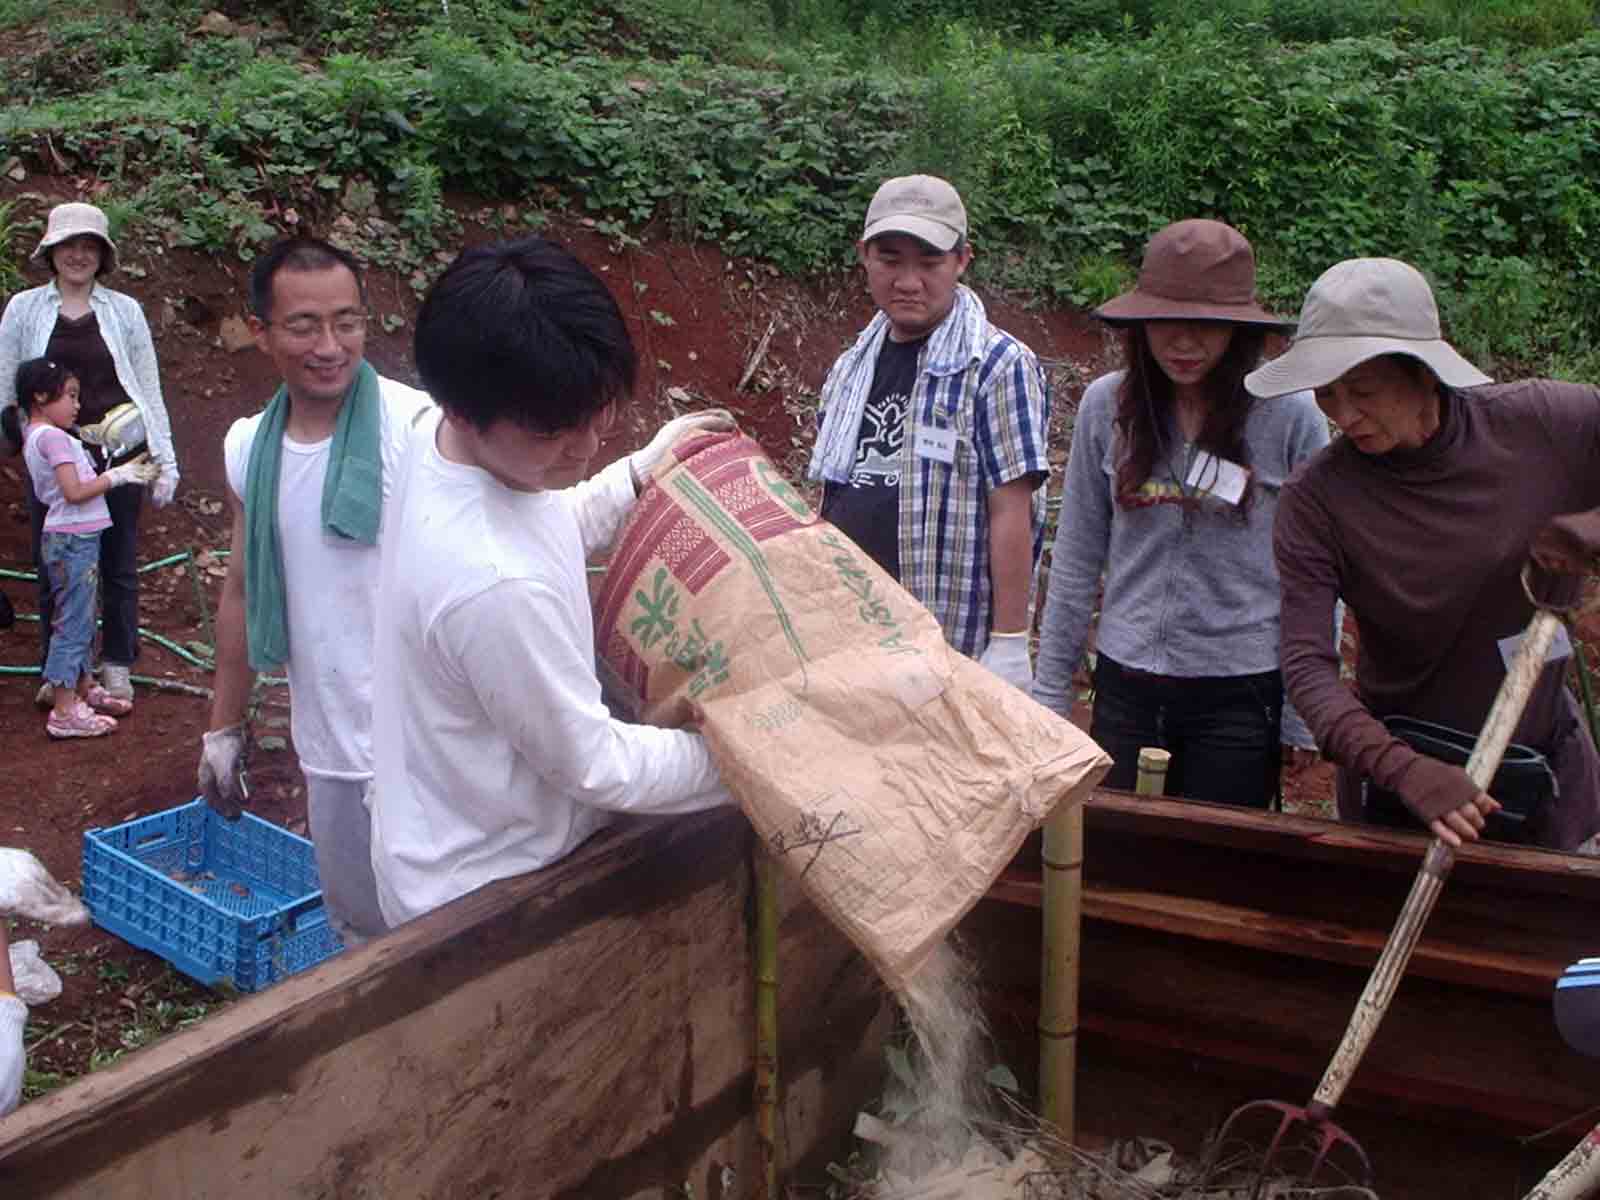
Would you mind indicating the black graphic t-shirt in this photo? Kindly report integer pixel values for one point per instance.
(867, 509)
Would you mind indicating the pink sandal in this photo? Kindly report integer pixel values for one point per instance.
(81, 722)
(103, 701)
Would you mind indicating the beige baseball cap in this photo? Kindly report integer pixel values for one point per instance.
(1357, 310)
(924, 206)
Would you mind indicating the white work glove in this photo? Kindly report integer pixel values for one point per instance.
(36, 980)
(140, 473)
(643, 462)
(166, 484)
(223, 755)
(28, 890)
(1007, 656)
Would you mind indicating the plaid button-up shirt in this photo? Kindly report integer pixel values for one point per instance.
(988, 388)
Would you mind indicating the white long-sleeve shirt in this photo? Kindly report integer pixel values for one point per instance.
(495, 754)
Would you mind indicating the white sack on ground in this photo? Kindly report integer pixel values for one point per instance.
(893, 776)
(36, 980)
(28, 890)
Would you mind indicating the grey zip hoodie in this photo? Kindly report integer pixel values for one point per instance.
(1190, 591)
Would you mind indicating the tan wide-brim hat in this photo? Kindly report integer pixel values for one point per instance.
(1360, 309)
(1194, 270)
(72, 220)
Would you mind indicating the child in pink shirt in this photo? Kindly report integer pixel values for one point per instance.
(64, 480)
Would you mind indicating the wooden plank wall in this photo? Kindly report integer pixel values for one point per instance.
(1245, 938)
(583, 1032)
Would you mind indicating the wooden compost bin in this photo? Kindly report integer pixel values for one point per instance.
(583, 1032)
(1224, 950)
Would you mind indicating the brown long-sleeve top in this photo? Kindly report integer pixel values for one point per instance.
(1426, 546)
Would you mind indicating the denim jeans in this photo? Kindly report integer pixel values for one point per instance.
(70, 562)
(1223, 731)
(119, 576)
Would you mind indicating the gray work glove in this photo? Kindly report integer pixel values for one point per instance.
(223, 756)
(140, 473)
(1007, 656)
(643, 462)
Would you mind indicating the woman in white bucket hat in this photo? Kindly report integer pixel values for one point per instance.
(1170, 489)
(1421, 518)
(102, 337)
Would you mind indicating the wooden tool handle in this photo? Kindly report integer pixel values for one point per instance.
(1575, 1176)
(1506, 711)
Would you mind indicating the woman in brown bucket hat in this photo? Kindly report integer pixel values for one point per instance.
(1171, 488)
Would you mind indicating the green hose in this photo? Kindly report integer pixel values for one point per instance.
(168, 561)
(158, 639)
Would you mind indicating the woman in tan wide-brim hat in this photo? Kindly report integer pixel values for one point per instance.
(1170, 491)
(1421, 517)
(102, 337)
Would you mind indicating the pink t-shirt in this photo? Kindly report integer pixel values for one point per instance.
(44, 448)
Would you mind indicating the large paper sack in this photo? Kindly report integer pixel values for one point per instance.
(893, 776)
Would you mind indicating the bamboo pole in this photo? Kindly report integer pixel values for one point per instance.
(766, 1066)
(1058, 1001)
(1153, 764)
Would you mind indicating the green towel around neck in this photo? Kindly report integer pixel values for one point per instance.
(352, 506)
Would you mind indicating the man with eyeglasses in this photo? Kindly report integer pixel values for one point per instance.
(308, 481)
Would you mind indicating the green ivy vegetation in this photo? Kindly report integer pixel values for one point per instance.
(1462, 135)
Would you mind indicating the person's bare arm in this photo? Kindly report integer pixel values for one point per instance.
(231, 683)
(1010, 554)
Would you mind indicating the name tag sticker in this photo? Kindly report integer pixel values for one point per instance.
(1217, 477)
(1560, 647)
(937, 444)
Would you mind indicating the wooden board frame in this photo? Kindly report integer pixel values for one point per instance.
(1245, 937)
(583, 1031)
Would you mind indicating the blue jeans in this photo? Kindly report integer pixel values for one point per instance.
(1224, 731)
(71, 563)
(119, 574)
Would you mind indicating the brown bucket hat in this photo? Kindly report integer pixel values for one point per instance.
(1195, 270)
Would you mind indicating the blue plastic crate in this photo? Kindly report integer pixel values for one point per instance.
(220, 900)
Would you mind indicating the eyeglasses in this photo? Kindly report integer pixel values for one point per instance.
(304, 327)
(603, 424)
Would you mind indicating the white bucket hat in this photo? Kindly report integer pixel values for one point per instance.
(71, 220)
(1360, 309)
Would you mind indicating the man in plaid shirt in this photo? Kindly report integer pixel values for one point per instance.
(932, 441)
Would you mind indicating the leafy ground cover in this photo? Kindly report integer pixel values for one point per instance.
(1073, 138)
